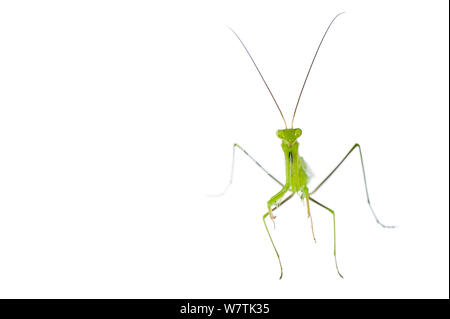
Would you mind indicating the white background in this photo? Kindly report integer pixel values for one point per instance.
(117, 117)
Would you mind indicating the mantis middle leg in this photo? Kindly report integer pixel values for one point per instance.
(365, 181)
(232, 169)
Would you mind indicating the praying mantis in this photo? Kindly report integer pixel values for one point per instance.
(297, 171)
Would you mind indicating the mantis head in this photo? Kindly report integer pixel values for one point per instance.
(289, 135)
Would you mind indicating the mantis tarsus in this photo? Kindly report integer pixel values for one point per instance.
(297, 176)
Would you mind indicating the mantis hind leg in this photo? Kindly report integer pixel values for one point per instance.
(334, 232)
(365, 182)
(232, 169)
(270, 237)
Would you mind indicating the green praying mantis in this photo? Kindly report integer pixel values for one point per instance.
(297, 171)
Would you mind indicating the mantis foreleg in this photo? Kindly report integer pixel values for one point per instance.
(275, 200)
(365, 181)
(309, 215)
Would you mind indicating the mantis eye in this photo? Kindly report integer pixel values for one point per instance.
(298, 132)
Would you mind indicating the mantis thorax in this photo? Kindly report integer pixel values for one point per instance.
(296, 175)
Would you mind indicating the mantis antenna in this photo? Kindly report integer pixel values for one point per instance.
(267, 86)
(310, 67)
